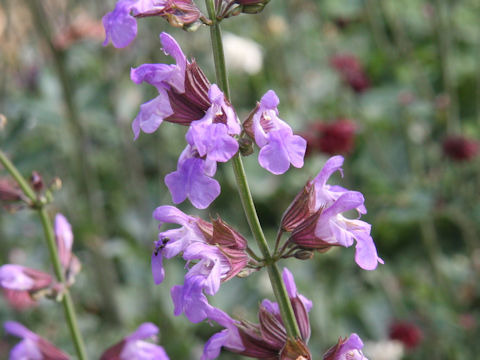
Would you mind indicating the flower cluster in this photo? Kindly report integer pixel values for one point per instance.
(216, 249)
(37, 283)
(186, 97)
(316, 222)
(215, 252)
(267, 339)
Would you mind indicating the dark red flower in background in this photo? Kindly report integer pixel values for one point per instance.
(460, 148)
(332, 138)
(351, 71)
(406, 332)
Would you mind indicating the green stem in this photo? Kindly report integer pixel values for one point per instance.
(66, 299)
(52, 249)
(278, 286)
(27, 190)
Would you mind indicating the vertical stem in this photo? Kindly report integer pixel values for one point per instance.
(66, 300)
(52, 249)
(278, 286)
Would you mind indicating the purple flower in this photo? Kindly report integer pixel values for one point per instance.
(228, 338)
(133, 346)
(64, 239)
(32, 347)
(268, 339)
(330, 228)
(279, 146)
(211, 135)
(216, 250)
(190, 299)
(182, 90)
(16, 277)
(316, 221)
(121, 26)
(346, 349)
(210, 141)
(326, 195)
(192, 180)
(333, 228)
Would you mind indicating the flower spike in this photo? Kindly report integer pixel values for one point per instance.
(267, 339)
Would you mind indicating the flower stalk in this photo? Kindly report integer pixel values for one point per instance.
(278, 286)
(39, 206)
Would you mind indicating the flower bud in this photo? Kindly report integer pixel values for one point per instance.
(246, 272)
(252, 6)
(64, 240)
(246, 146)
(36, 181)
(303, 254)
(227, 8)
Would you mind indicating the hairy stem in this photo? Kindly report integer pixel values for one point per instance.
(278, 286)
(52, 249)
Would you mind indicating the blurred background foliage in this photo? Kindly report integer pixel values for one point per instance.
(392, 85)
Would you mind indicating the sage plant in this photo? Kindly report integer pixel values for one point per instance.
(214, 251)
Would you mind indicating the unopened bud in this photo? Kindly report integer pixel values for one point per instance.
(36, 181)
(246, 146)
(246, 272)
(303, 254)
(192, 26)
(252, 6)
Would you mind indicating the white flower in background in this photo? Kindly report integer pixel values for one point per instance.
(242, 54)
(384, 350)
